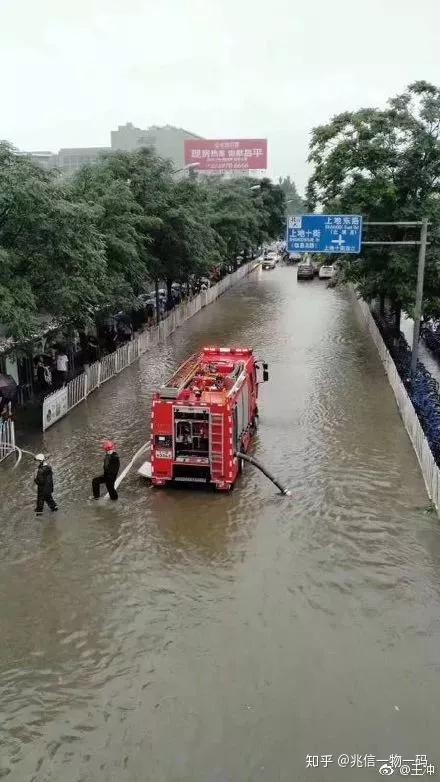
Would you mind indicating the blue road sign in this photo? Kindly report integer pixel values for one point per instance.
(324, 234)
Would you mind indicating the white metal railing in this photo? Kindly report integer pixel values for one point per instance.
(76, 390)
(7, 437)
(428, 466)
(108, 367)
(58, 404)
(93, 373)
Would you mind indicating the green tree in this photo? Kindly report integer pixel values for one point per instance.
(184, 242)
(123, 226)
(294, 202)
(271, 203)
(18, 307)
(71, 248)
(233, 215)
(245, 213)
(130, 193)
(54, 259)
(384, 164)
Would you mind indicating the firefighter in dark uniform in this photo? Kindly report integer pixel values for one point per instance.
(44, 481)
(110, 472)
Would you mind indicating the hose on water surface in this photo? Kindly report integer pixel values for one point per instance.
(125, 471)
(20, 452)
(245, 457)
(283, 489)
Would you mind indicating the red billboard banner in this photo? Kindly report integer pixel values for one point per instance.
(226, 154)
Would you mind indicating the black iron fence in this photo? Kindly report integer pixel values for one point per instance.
(422, 388)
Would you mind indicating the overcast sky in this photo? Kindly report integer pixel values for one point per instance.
(74, 69)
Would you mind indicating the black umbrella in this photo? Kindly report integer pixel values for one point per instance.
(8, 387)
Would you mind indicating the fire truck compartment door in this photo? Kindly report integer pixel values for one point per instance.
(242, 410)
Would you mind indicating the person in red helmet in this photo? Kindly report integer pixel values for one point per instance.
(110, 472)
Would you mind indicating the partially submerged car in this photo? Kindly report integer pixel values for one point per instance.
(326, 272)
(306, 270)
(269, 262)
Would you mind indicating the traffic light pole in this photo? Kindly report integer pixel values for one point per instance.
(419, 294)
(422, 243)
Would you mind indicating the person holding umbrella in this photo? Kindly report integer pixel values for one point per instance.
(44, 376)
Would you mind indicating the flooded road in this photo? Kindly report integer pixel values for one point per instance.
(183, 636)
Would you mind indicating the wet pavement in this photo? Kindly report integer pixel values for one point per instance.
(185, 636)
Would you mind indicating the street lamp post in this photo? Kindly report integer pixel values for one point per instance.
(188, 167)
(254, 187)
(289, 201)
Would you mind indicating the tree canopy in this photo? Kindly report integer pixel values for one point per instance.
(245, 213)
(385, 165)
(69, 248)
(294, 202)
(53, 255)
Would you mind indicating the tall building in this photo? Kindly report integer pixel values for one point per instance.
(167, 140)
(45, 159)
(127, 137)
(71, 159)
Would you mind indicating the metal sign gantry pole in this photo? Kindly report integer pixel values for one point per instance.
(422, 244)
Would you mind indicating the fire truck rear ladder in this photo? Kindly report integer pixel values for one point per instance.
(216, 446)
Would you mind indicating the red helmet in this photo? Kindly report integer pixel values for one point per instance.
(108, 445)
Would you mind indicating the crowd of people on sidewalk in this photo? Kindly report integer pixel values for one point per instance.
(64, 357)
(51, 372)
(53, 369)
(59, 365)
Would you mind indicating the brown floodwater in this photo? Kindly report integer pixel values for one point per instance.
(188, 636)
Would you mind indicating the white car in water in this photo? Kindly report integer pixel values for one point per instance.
(270, 261)
(327, 272)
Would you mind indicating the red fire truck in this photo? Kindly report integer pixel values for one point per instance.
(203, 416)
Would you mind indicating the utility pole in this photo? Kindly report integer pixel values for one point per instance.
(419, 294)
(422, 243)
